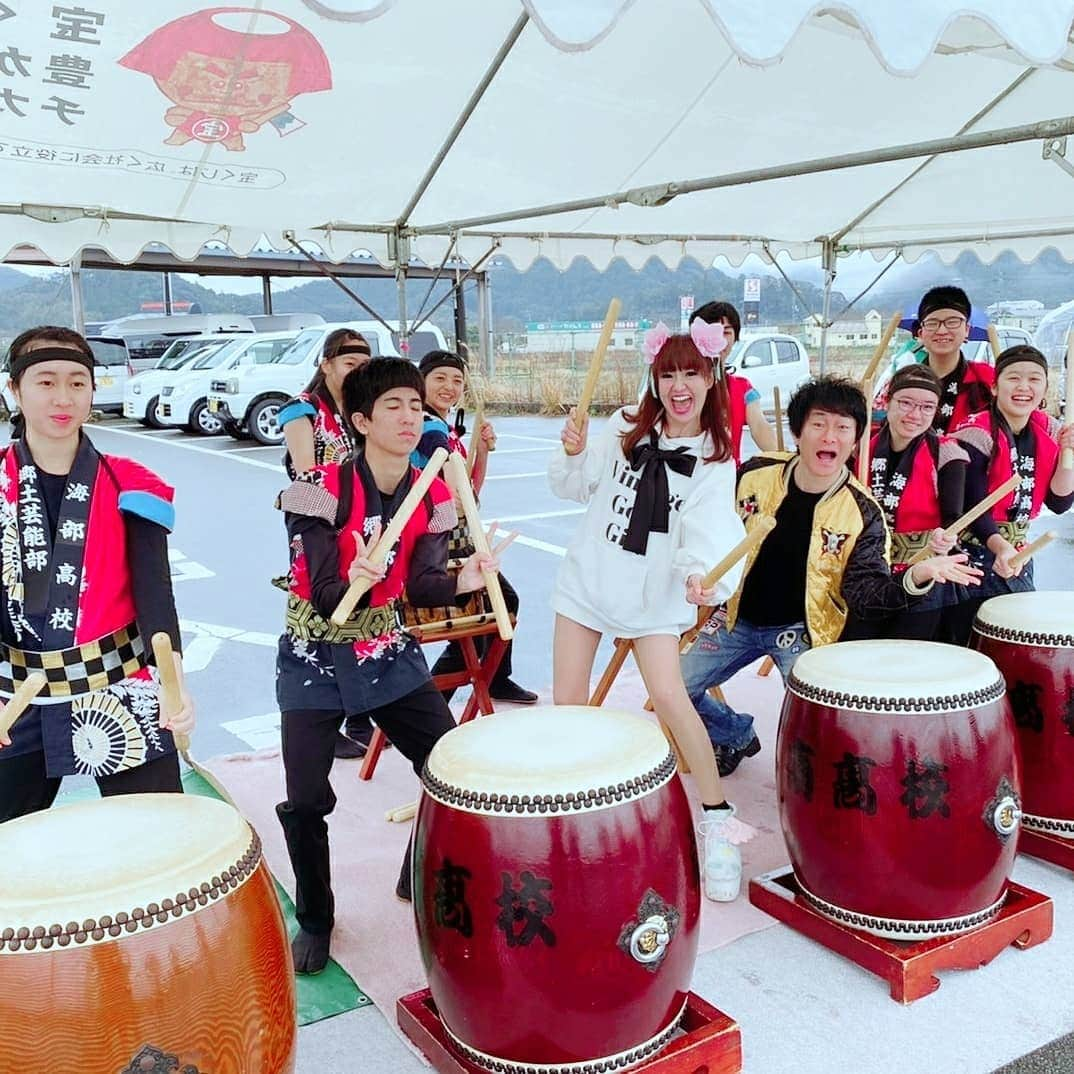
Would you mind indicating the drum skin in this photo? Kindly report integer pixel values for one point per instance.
(1036, 657)
(204, 977)
(889, 816)
(531, 965)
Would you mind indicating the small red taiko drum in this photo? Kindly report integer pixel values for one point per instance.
(1030, 636)
(142, 933)
(899, 786)
(556, 890)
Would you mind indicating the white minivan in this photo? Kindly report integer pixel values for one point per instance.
(183, 395)
(147, 338)
(248, 399)
(769, 360)
(142, 392)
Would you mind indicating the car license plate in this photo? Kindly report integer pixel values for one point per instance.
(214, 405)
(106, 382)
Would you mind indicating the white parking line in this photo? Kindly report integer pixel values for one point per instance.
(515, 477)
(201, 450)
(536, 439)
(523, 450)
(543, 514)
(532, 542)
(258, 732)
(259, 447)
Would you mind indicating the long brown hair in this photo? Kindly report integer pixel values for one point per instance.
(680, 353)
(330, 348)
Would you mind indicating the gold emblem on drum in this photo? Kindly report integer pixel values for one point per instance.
(1004, 812)
(647, 937)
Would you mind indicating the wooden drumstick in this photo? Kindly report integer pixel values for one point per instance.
(402, 813)
(970, 516)
(475, 435)
(459, 481)
(779, 418)
(392, 532)
(581, 412)
(866, 437)
(993, 342)
(881, 349)
(171, 695)
(21, 699)
(1066, 456)
(1033, 548)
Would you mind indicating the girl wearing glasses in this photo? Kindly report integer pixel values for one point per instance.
(1013, 436)
(918, 477)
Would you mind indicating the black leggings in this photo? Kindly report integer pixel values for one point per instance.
(26, 788)
(414, 723)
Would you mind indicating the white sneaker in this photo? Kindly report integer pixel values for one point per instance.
(721, 863)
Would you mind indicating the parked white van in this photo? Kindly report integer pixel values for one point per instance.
(183, 395)
(111, 371)
(248, 400)
(142, 392)
(147, 338)
(769, 360)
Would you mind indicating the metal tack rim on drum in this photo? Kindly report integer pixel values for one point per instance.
(558, 755)
(162, 877)
(605, 1065)
(902, 676)
(1005, 618)
(893, 928)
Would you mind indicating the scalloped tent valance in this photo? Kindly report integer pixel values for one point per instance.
(611, 128)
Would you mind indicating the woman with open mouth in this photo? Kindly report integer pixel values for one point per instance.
(1013, 436)
(659, 485)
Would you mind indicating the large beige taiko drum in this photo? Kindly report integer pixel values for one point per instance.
(141, 933)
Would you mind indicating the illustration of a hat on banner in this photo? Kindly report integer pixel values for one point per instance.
(225, 82)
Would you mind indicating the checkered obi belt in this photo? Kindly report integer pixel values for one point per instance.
(82, 669)
(365, 624)
(904, 546)
(1016, 533)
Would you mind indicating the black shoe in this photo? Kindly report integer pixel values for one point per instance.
(347, 748)
(728, 758)
(509, 690)
(310, 951)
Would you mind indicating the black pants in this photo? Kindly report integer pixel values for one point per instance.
(413, 724)
(907, 626)
(451, 658)
(25, 788)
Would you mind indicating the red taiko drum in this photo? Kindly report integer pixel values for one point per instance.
(142, 933)
(1030, 636)
(898, 786)
(556, 889)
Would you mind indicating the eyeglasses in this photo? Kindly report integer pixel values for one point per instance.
(950, 323)
(907, 407)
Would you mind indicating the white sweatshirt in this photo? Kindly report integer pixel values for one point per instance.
(603, 586)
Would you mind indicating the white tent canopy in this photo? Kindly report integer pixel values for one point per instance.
(418, 128)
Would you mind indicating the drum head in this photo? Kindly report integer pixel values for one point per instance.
(97, 862)
(896, 676)
(550, 759)
(1029, 619)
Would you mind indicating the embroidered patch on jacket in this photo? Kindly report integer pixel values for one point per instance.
(749, 506)
(831, 542)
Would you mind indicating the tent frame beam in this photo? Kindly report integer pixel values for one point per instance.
(660, 194)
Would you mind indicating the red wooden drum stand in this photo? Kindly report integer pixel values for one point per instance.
(1030, 636)
(142, 933)
(556, 891)
(899, 796)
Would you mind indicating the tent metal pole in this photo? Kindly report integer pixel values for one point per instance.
(875, 280)
(484, 325)
(266, 294)
(790, 283)
(987, 237)
(968, 125)
(432, 283)
(78, 306)
(660, 194)
(828, 262)
(472, 270)
(464, 118)
(460, 314)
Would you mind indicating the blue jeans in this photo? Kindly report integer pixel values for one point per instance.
(718, 654)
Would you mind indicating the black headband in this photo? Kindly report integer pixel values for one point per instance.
(915, 376)
(357, 347)
(438, 359)
(21, 362)
(1020, 353)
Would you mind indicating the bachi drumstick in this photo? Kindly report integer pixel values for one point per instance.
(970, 516)
(1033, 548)
(881, 349)
(581, 412)
(21, 699)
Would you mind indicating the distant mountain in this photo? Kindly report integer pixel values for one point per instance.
(11, 278)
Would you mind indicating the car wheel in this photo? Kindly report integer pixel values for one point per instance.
(203, 421)
(263, 425)
(150, 418)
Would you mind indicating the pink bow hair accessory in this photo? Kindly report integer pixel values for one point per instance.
(709, 339)
(654, 340)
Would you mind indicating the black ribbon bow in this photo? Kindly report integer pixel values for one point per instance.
(652, 507)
